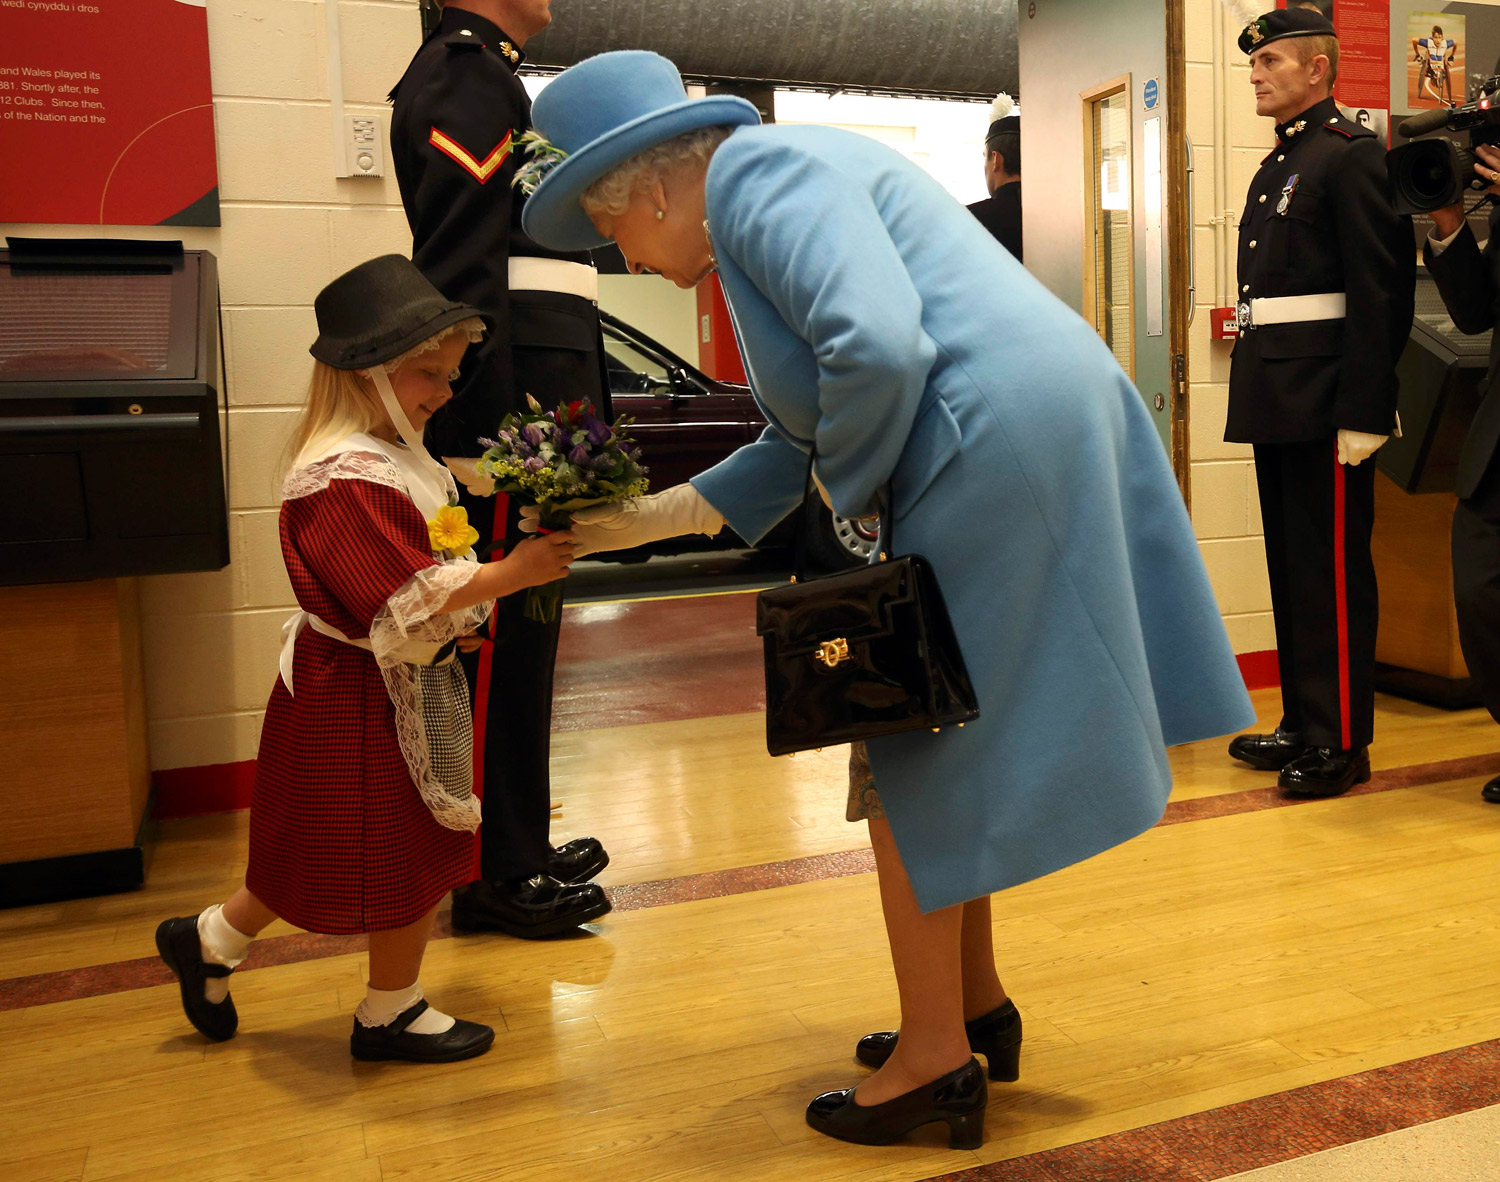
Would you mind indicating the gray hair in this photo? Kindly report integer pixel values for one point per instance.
(612, 192)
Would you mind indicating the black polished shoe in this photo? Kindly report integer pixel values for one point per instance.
(532, 909)
(996, 1036)
(578, 860)
(1268, 753)
(375, 1044)
(958, 1099)
(1325, 771)
(1491, 791)
(177, 942)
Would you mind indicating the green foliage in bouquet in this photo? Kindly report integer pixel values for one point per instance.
(561, 461)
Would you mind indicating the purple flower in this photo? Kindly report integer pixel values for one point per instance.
(524, 451)
(488, 443)
(579, 455)
(601, 464)
(599, 431)
(533, 434)
(535, 464)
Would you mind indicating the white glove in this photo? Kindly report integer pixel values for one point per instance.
(1355, 447)
(679, 510)
(467, 473)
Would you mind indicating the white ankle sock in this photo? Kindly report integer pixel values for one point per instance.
(381, 1007)
(222, 943)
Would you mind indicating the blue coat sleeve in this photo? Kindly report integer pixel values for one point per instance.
(813, 243)
(756, 486)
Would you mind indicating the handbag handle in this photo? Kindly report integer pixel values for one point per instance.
(888, 526)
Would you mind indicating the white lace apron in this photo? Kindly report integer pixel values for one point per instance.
(434, 721)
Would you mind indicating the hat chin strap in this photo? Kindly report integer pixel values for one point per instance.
(409, 434)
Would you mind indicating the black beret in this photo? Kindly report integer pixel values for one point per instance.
(1011, 124)
(1281, 23)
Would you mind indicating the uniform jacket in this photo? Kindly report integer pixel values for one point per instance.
(1318, 219)
(1000, 214)
(459, 110)
(879, 320)
(1469, 281)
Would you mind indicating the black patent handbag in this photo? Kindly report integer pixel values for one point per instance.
(859, 654)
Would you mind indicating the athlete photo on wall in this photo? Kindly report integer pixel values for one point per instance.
(1376, 119)
(1435, 67)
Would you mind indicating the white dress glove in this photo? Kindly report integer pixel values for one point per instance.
(467, 473)
(679, 510)
(1355, 447)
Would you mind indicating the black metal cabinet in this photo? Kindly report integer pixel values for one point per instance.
(111, 461)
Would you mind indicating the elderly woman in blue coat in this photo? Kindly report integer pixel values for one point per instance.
(884, 328)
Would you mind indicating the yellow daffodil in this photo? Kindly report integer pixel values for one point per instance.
(450, 530)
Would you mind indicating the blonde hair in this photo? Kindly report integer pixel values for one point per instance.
(612, 192)
(342, 402)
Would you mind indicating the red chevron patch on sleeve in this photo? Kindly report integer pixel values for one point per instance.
(481, 170)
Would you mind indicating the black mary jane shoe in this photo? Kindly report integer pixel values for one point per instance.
(958, 1099)
(1268, 753)
(1491, 791)
(178, 944)
(375, 1044)
(996, 1036)
(1324, 772)
(533, 909)
(578, 860)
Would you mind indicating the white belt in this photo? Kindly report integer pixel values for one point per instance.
(289, 632)
(528, 273)
(1292, 309)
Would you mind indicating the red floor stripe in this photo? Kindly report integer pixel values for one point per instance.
(1267, 1130)
(121, 976)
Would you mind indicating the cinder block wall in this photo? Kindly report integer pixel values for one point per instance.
(289, 226)
(1226, 508)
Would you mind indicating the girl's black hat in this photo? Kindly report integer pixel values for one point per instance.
(379, 310)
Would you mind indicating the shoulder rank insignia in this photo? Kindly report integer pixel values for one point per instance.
(1287, 191)
(481, 170)
(464, 39)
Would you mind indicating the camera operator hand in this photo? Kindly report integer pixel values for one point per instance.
(1450, 218)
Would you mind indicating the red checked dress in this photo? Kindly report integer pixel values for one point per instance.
(341, 838)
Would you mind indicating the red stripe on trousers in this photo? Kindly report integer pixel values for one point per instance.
(1340, 596)
(486, 663)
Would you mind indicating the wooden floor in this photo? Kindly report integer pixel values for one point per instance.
(1208, 962)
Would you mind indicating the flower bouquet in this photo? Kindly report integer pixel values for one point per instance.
(561, 461)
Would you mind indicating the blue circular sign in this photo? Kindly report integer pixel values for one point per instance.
(1153, 93)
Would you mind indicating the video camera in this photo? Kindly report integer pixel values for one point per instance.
(1433, 173)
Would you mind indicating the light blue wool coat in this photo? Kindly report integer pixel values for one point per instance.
(877, 317)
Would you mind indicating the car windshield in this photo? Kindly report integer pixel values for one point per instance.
(633, 359)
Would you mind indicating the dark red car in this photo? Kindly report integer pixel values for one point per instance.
(687, 421)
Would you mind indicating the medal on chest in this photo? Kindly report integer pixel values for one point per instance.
(1286, 194)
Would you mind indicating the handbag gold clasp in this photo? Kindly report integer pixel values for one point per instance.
(832, 652)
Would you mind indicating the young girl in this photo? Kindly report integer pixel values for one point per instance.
(363, 813)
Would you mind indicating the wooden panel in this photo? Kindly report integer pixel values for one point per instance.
(1414, 568)
(66, 786)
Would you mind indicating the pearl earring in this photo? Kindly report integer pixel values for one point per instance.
(660, 213)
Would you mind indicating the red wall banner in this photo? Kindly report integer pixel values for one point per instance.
(106, 113)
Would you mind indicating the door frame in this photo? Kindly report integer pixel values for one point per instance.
(1178, 215)
(1088, 100)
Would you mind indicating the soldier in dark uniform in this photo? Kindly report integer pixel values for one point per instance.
(1469, 280)
(459, 112)
(1327, 272)
(1000, 212)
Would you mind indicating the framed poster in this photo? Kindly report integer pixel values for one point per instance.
(106, 113)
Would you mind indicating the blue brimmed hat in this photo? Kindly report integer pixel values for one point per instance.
(595, 116)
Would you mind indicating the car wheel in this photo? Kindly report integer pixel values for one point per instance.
(837, 543)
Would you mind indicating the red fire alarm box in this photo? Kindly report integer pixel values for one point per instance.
(1225, 325)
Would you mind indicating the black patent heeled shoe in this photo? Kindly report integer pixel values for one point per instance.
(958, 1099)
(996, 1036)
